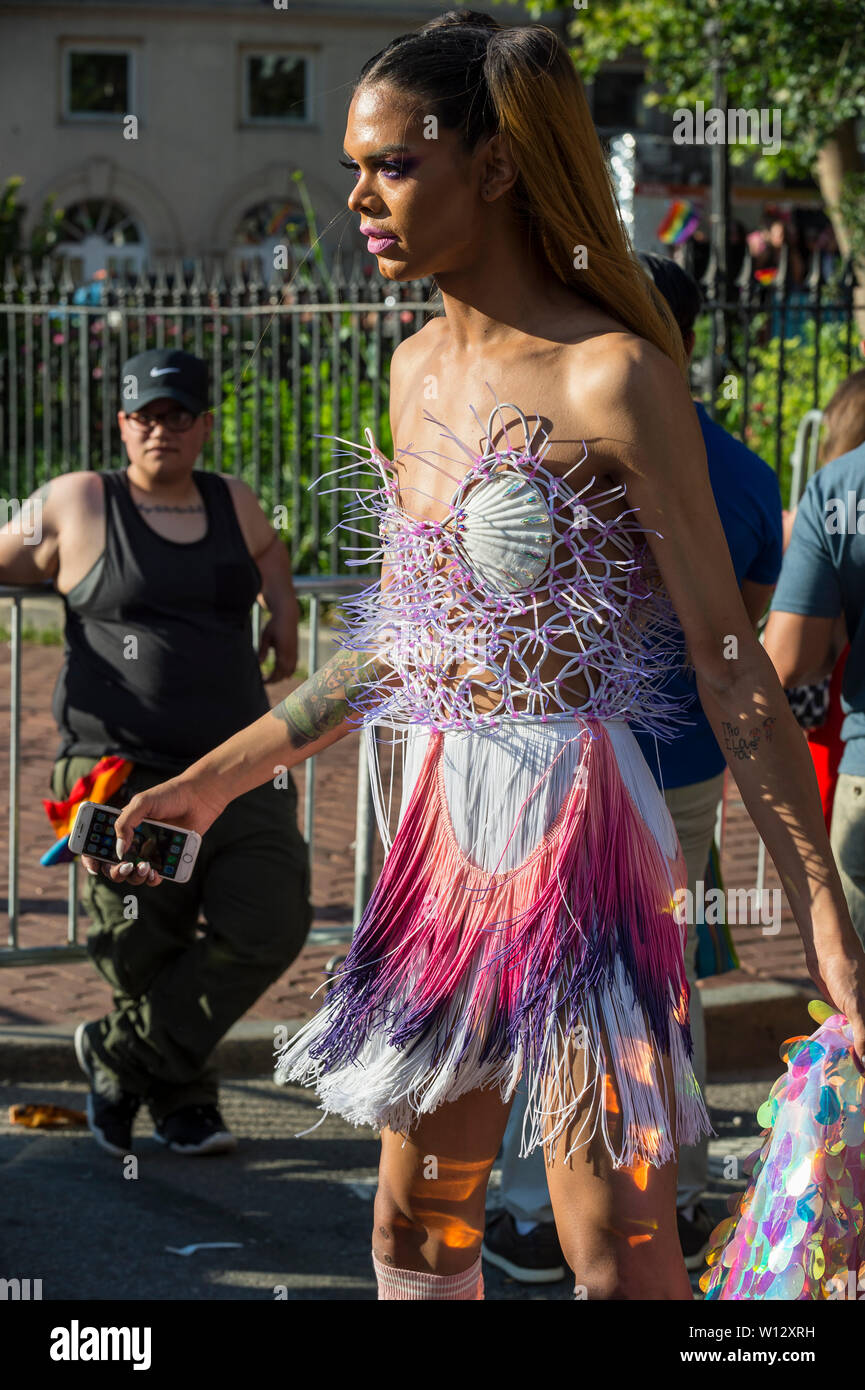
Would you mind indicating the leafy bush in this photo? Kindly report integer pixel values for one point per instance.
(798, 395)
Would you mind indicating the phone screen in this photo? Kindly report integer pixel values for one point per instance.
(156, 844)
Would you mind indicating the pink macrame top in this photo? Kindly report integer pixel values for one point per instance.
(472, 586)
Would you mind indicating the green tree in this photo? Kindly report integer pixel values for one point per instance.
(805, 58)
(43, 235)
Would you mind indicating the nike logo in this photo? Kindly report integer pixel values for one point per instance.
(160, 371)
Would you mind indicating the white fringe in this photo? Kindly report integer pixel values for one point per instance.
(393, 1087)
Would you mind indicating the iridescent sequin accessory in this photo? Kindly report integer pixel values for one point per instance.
(520, 566)
(797, 1232)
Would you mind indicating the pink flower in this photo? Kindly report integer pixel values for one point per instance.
(58, 338)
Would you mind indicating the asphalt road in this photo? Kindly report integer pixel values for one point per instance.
(296, 1211)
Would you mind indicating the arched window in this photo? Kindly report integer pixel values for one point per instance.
(266, 228)
(97, 234)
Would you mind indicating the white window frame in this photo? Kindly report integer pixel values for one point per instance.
(121, 46)
(267, 51)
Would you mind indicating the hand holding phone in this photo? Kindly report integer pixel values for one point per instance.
(166, 851)
(179, 804)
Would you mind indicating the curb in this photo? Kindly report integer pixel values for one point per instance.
(747, 1023)
(44, 1052)
(745, 1026)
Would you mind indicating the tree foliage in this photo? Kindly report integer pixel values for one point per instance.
(44, 233)
(803, 57)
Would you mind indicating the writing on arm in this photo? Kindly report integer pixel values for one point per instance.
(741, 745)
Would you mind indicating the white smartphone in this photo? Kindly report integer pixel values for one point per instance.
(169, 849)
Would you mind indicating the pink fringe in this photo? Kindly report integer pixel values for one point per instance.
(532, 939)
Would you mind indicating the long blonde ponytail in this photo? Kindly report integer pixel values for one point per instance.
(566, 192)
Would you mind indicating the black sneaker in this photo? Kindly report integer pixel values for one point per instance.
(535, 1258)
(111, 1111)
(694, 1235)
(196, 1129)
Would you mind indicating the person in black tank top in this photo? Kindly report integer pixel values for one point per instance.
(159, 667)
(191, 679)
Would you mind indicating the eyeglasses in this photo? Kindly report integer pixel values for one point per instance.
(178, 421)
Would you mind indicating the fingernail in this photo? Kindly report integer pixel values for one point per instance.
(126, 869)
(118, 846)
(142, 867)
(93, 872)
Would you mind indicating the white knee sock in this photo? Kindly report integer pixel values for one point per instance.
(410, 1284)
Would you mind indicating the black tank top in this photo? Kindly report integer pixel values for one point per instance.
(159, 664)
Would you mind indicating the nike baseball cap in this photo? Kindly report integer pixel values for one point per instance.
(161, 372)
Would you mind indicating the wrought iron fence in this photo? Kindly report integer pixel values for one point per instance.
(767, 353)
(289, 363)
(295, 364)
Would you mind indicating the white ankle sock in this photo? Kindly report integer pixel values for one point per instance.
(411, 1284)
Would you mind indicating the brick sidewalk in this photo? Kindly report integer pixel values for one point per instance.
(66, 993)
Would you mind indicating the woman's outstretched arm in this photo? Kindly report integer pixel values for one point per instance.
(310, 719)
(651, 441)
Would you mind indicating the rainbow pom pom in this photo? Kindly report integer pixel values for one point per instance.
(797, 1232)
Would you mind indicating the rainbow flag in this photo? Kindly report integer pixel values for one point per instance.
(680, 221)
(99, 784)
(280, 218)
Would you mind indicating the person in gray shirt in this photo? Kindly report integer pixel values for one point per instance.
(819, 601)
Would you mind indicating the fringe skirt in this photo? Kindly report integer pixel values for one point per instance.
(526, 909)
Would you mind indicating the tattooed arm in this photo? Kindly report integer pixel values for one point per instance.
(321, 706)
(306, 722)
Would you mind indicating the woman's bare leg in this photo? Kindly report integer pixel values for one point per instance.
(429, 1208)
(617, 1227)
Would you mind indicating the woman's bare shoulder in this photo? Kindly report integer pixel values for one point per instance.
(618, 376)
(617, 355)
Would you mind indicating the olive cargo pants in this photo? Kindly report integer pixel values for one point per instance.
(178, 987)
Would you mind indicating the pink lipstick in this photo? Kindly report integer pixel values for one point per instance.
(376, 242)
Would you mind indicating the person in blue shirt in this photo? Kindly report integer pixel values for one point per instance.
(818, 603)
(521, 1239)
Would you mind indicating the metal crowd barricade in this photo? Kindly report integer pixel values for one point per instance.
(318, 589)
